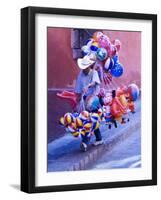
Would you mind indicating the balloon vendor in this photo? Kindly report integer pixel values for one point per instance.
(87, 88)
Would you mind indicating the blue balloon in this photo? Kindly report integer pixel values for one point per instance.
(134, 91)
(117, 70)
(101, 54)
(115, 59)
(93, 48)
(75, 114)
(89, 42)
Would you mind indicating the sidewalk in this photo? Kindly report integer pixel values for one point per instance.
(64, 153)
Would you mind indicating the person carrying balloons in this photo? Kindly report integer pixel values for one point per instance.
(87, 88)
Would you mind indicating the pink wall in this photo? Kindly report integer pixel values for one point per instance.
(129, 55)
(62, 69)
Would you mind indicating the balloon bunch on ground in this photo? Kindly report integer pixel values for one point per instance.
(105, 52)
(115, 108)
(80, 124)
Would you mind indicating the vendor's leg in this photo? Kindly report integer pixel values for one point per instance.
(98, 134)
(115, 123)
(84, 143)
(123, 121)
(85, 139)
(109, 126)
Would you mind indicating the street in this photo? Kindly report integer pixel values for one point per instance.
(126, 154)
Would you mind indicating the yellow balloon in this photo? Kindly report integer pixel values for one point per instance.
(87, 126)
(78, 122)
(96, 125)
(61, 121)
(68, 118)
(75, 134)
(82, 132)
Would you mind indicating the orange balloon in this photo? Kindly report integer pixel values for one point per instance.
(131, 106)
(97, 35)
(115, 111)
(119, 92)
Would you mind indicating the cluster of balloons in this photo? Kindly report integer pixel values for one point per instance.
(106, 53)
(114, 109)
(81, 124)
(121, 102)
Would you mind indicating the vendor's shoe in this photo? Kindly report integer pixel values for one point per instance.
(123, 121)
(83, 147)
(96, 143)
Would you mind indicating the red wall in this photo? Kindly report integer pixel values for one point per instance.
(62, 69)
(129, 55)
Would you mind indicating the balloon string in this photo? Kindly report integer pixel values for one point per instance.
(115, 84)
(107, 86)
(88, 33)
(114, 87)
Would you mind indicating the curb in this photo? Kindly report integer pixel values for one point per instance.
(93, 155)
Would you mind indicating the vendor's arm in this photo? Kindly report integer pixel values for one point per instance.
(92, 84)
(95, 80)
(89, 86)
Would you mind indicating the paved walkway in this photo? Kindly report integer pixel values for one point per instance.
(64, 153)
(127, 154)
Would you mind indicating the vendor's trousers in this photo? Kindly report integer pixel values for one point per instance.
(85, 138)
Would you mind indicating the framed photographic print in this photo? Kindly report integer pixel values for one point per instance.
(88, 99)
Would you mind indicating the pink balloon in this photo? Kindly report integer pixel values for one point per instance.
(112, 51)
(104, 41)
(117, 44)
